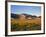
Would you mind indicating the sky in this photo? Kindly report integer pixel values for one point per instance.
(31, 10)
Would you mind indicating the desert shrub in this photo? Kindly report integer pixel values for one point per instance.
(31, 26)
(35, 26)
(15, 27)
(26, 27)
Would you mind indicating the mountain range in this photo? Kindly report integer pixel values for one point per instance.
(16, 16)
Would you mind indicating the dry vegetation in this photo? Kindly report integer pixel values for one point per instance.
(25, 24)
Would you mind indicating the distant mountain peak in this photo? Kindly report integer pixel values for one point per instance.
(26, 15)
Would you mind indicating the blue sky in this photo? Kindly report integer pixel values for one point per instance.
(31, 10)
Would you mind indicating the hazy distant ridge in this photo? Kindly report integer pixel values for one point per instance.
(26, 15)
